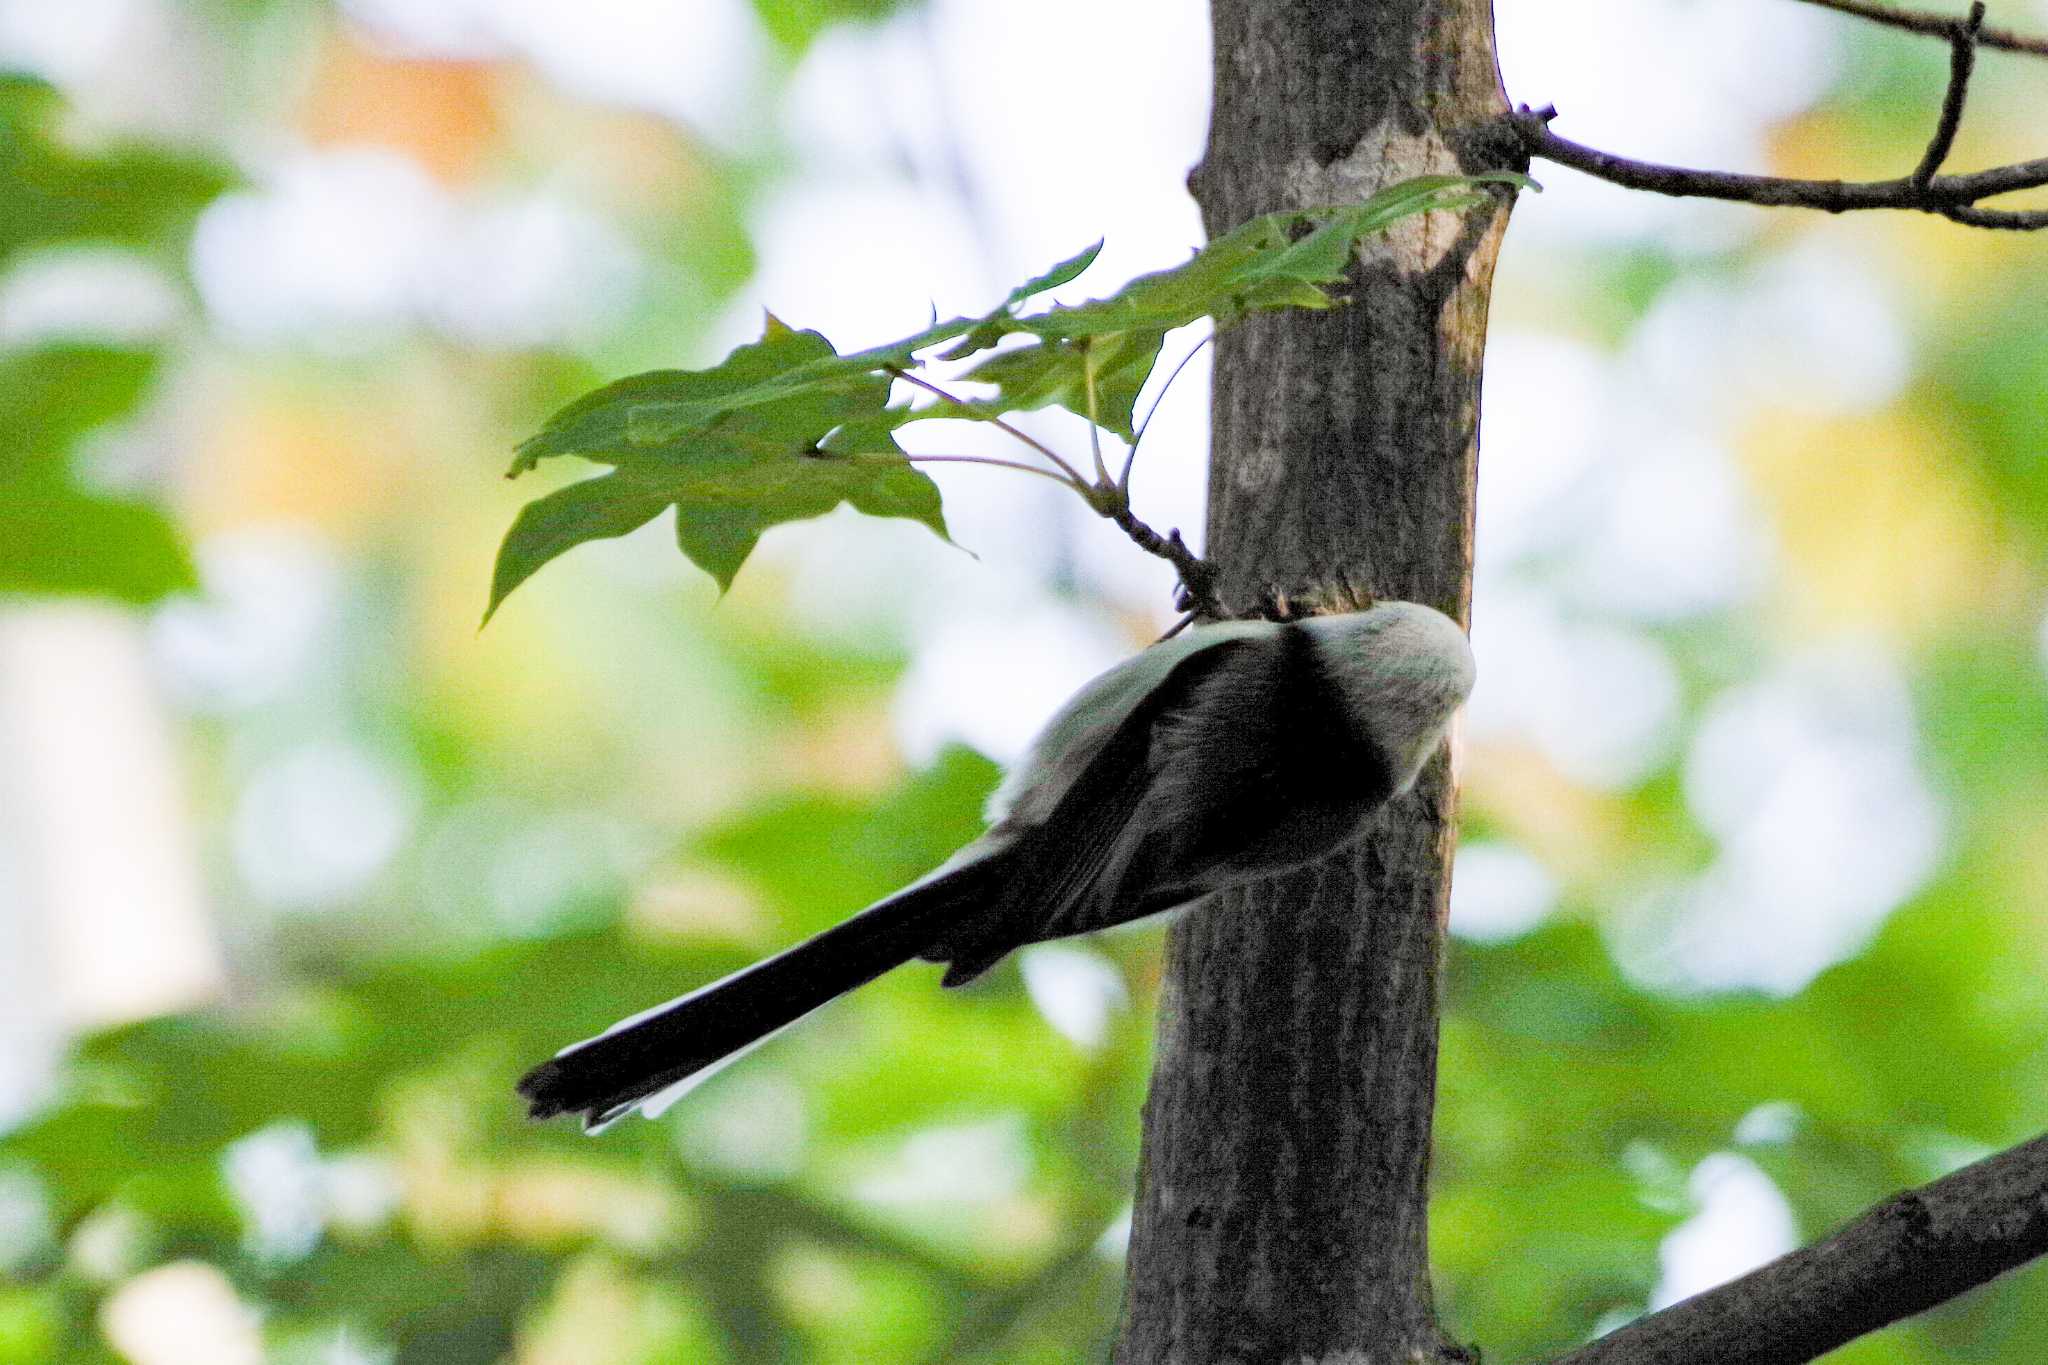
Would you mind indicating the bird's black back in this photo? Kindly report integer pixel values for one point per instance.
(1247, 759)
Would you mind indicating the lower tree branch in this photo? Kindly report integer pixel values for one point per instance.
(1915, 1250)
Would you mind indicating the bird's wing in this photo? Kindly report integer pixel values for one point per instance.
(1073, 834)
(1075, 736)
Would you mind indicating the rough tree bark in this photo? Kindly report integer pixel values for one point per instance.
(1282, 1199)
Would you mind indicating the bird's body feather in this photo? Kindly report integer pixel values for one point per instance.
(1236, 751)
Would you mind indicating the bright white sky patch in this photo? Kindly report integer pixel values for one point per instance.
(91, 295)
(1668, 531)
(26, 1227)
(1075, 988)
(1499, 892)
(184, 1313)
(972, 1163)
(931, 187)
(268, 599)
(1813, 328)
(1600, 701)
(696, 63)
(1031, 107)
(316, 824)
(524, 270)
(88, 764)
(1115, 1241)
(338, 250)
(1690, 84)
(994, 682)
(453, 29)
(1543, 420)
(1583, 471)
(1743, 1222)
(277, 1180)
(862, 262)
(66, 41)
(1809, 780)
(753, 1125)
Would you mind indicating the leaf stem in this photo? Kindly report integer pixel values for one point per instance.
(998, 423)
(913, 457)
(1131, 456)
(990, 460)
(1094, 418)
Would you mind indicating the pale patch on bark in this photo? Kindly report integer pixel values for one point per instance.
(1381, 158)
(1262, 468)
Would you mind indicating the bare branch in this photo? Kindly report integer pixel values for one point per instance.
(1913, 1251)
(1934, 25)
(1952, 196)
(1197, 578)
(2011, 220)
(1925, 190)
(1962, 60)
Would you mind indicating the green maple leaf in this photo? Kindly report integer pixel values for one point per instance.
(782, 430)
(787, 428)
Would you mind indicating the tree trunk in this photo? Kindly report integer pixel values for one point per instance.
(1282, 1199)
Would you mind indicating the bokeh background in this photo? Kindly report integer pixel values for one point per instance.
(298, 870)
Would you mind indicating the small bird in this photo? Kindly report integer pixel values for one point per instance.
(1231, 752)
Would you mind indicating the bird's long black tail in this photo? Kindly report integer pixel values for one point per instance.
(642, 1056)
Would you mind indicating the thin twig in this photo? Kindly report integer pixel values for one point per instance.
(1107, 498)
(1934, 25)
(1131, 456)
(1962, 58)
(1953, 196)
(990, 460)
(998, 423)
(1187, 619)
(2010, 220)
(1904, 1256)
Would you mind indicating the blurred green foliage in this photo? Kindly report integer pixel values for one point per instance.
(135, 196)
(340, 1143)
(57, 536)
(58, 532)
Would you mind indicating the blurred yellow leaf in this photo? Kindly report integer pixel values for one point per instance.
(443, 114)
(602, 1315)
(1880, 523)
(273, 456)
(1578, 833)
(702, 903)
